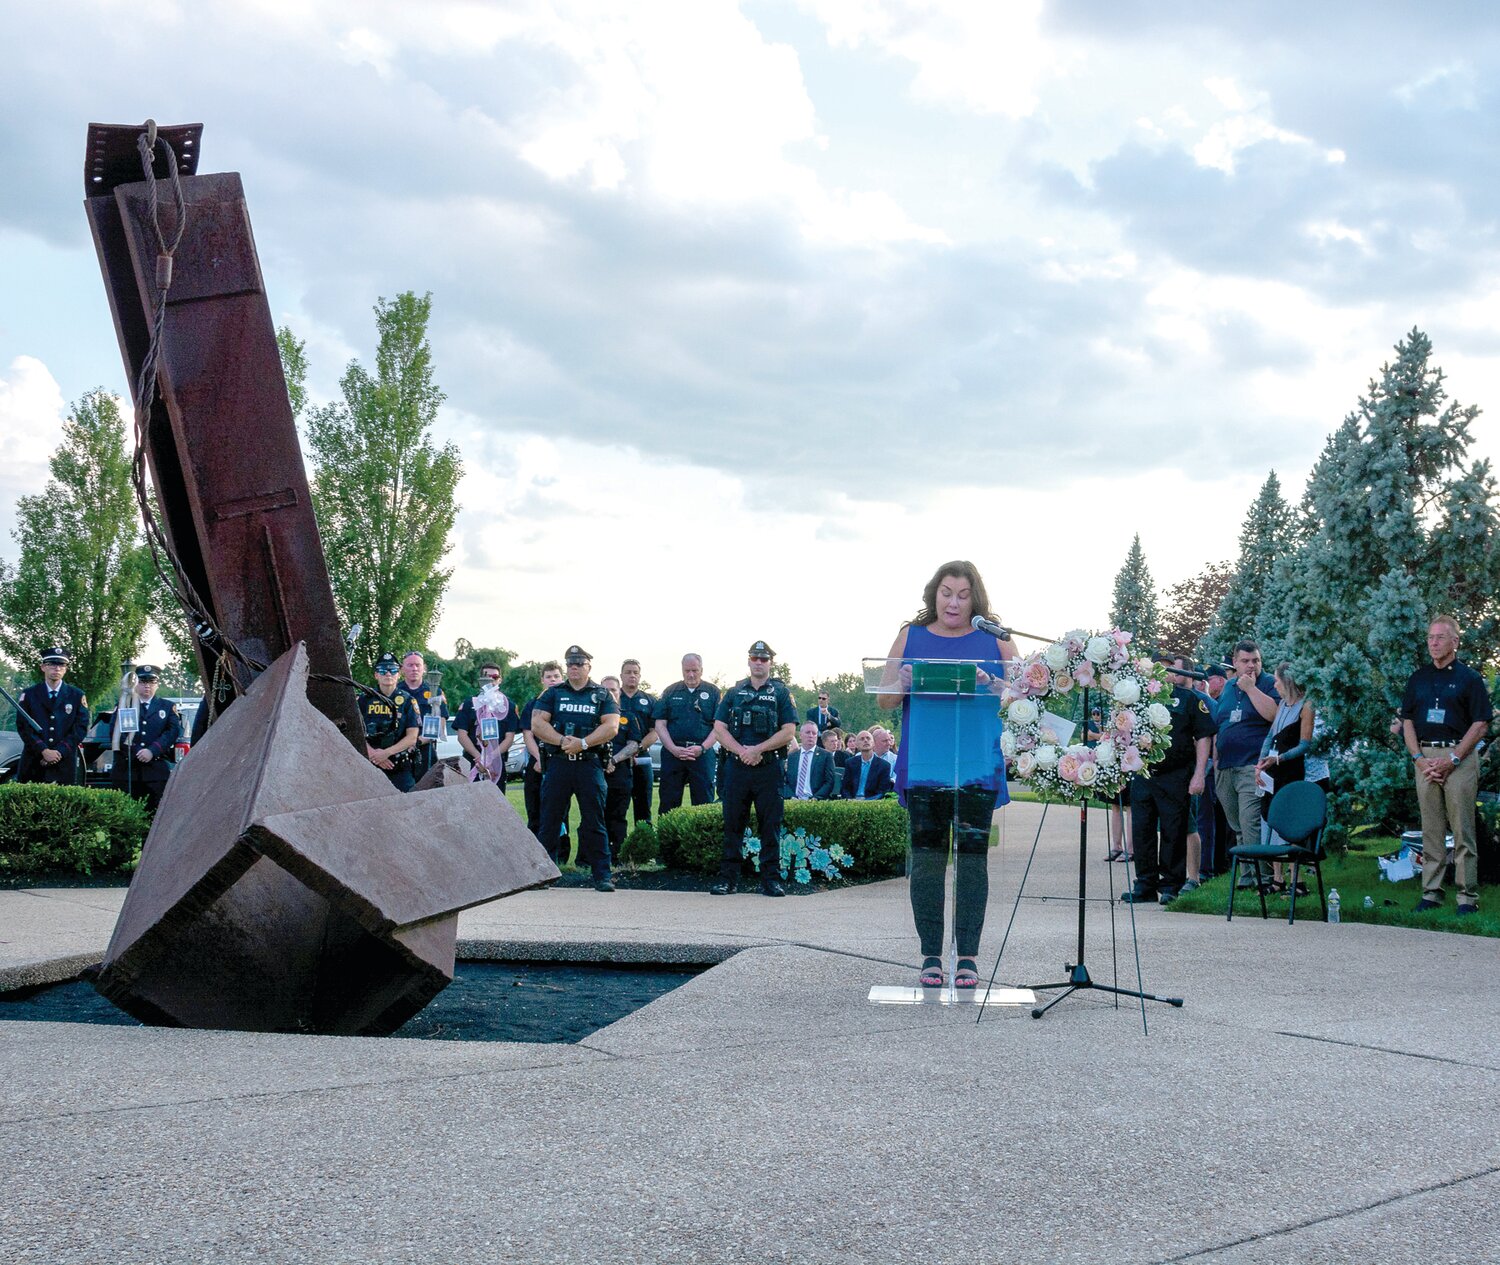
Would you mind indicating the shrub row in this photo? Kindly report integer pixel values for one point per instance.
(45, 829)
(873, 832)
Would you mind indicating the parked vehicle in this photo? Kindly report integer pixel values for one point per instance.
(10, 755)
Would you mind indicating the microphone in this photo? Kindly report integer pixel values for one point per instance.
(980, 624)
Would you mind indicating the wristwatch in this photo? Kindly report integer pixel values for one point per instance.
(1454, 757)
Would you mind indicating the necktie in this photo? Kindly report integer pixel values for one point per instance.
(804, 775)
(864, 772)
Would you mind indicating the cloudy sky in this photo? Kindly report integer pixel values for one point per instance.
(750, 314)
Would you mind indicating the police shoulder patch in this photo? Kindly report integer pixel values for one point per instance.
(1203, 707)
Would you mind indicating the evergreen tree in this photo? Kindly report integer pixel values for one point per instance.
(81, 578)
(1400, 527)
(1247, 607)
(1191, 606)
(1134, 605)
(383, 492)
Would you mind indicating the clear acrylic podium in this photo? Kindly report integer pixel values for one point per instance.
(954, 774)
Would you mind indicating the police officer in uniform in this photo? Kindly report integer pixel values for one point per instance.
(756, 720)
(684, 718)
(1159, 801)
(145, 758)
(536, 763)
(637, 723)
(428, 702)
(391, 724)
(61, 712)
(577, 720)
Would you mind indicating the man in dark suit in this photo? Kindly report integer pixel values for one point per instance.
(867, 777)
(823, 716)
(809, 770)
(61, 713)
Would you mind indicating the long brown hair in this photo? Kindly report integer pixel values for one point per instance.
(961, 570)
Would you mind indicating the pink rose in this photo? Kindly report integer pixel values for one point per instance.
(1026, 741)
(1122, 637)
(1143, 666)
(1075, 646)
(1124, 721)
(1153, 687)
(1037, 676)
(1084, 674)
(1067, 768)
(1131, 760)
(1062, 683)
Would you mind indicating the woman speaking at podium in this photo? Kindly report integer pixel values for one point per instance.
(950, 773)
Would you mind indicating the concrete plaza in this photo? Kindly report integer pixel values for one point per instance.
(1328, 1093)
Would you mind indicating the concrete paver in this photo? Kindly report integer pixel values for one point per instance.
(1326, 1094)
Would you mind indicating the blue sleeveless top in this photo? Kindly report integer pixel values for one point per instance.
(953, 740)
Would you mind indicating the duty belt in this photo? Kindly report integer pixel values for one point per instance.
(579, 755)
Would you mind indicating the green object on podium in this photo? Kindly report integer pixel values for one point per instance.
(944, 678)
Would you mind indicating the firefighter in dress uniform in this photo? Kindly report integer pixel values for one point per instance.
(756, 720)
(61, 712)
(577, 720)
(391, 725)
(146, 757)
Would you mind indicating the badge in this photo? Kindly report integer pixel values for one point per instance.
(1436, 715)
(1203, 707)
(68, 708)
(704, 695)
(161, 713)
(1236, 716)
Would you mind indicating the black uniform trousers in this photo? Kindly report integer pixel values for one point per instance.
(696, 775)
(401, 778)
(640, 791)
(140, 781)
(619, 786)
(744, 785)
(63, 773)
(531, 793)
(1159, 805)
(565, 778)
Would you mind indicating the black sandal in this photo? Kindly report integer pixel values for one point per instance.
(965, 976)
(932, 973)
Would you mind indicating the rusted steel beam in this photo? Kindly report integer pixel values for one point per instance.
(223, 450)
(286, 886)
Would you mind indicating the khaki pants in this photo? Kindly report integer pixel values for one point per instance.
(1240, 800)
(1449, 807)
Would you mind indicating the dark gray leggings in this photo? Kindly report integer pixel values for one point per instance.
(935, 826)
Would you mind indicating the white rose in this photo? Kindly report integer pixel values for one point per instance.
(1025, 763)
(1022, 712)
(1098, 650)
(1087, 773)
(1077, 748)
(1107, 681)
(1127, 690)
(1008, 744)
(1158, 715)
(1056, 656)
(1046, 756)
(1105, 752)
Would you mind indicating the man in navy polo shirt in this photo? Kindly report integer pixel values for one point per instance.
(1445, 711)
(1243, 714)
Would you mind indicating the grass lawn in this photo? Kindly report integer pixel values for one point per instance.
(1356, 875)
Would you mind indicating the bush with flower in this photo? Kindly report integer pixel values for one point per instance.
(802, 856)
(1137, 726)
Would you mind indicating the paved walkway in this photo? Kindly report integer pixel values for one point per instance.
(1326, 1094)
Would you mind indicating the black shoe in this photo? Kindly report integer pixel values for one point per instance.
(1139, 896)
(1166, 896)
(1424, 905)
(605, 884)
(1465, 910)
(724, 887)
(772, 888)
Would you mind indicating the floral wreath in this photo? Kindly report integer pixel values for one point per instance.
(1134, 737)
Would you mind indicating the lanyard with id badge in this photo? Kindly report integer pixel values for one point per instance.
(1437, 714)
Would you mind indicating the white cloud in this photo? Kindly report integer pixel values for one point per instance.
(32, 410)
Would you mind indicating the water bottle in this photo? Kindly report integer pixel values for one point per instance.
(1333, 905)
(1369, 902)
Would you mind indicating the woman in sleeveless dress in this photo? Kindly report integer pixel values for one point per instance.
(950, 773)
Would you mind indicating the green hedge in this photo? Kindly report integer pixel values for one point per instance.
(641, 846)
(44, 829)
(873, 832)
